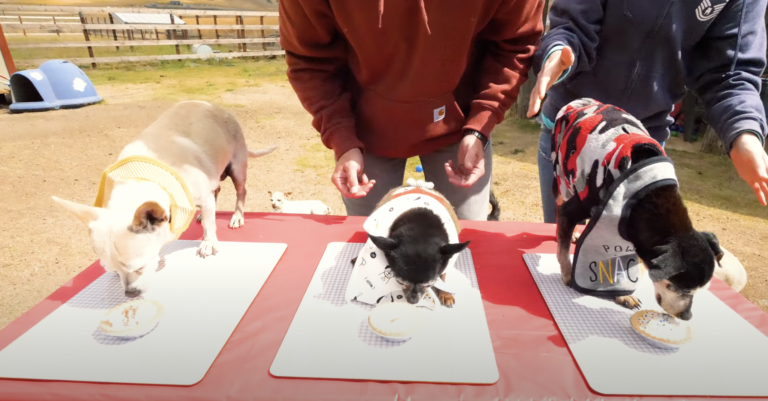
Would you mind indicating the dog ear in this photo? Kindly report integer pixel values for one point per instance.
(449, 250)
(384, 243)
(714, 244)
(85, 213)
(148, 217)
(270, 193)
(667, 264)
(288, 194)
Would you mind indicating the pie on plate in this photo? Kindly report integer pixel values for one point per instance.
(395, 321)
(661, 329)
(132, 319)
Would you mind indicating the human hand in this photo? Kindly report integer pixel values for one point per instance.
(348, 176)
(751, 162)
(471, 163)
(553, 69)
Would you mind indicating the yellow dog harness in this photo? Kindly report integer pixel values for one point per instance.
(148, 169)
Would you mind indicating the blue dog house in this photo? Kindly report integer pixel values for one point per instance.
(55, 85)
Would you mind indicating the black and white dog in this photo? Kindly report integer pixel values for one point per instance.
(609, 170)
(421, 240)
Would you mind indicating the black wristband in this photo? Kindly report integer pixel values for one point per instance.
(480, 136)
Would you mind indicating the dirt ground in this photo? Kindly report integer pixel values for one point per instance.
(63, 152)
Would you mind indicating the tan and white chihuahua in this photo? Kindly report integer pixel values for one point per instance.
(148, 198)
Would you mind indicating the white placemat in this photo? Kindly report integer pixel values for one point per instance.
(329, 338)
(204, 301)
(728, 356)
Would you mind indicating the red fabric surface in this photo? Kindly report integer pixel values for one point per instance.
(533, 359)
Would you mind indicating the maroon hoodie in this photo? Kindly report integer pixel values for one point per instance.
(408, 78)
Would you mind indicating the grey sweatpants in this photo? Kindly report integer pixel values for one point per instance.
(470, 203)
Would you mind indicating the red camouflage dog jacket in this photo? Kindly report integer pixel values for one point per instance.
(592, 145)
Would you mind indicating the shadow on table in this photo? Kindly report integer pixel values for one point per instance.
(107, 291)
(581, 316)
(336, 277)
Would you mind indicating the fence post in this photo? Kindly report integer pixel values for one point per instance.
(215, 23)
(263, 36)
(197, 21)
(242, 34)
(185, 35)
(142, 35)
(174, 35)
(130, 37)
(57, 26)
(87, 39)
(238, 34)
(21, 22)
(114, 32)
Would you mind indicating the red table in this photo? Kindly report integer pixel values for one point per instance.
(533, 359)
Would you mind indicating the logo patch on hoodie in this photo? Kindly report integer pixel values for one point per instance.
(707, 11)
(438, 113)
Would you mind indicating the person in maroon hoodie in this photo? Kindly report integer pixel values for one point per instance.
(427, 78)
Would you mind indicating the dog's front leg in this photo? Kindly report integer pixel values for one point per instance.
(569, 213)
(208, 212)
(215, 200)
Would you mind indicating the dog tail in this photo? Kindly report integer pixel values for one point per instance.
(495, 209)
(262, 152)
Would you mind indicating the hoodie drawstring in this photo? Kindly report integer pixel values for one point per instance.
(423, 14)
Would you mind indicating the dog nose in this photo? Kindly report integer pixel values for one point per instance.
(686, 315)
(132, 293)
(412, 298)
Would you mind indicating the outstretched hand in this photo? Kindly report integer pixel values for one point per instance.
(348, 177)
(556, 64)
(471, 163)
(751, 162)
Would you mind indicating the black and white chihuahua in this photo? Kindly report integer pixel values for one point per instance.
(417, 248)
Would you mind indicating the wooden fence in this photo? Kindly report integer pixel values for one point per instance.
(100, 30)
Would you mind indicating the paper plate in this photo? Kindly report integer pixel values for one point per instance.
(132, 319)
(657, 321)
(390, 309)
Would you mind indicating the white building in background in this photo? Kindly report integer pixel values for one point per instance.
(137, 18)
(151, 19)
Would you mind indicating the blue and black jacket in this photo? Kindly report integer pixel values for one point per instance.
(641, 55)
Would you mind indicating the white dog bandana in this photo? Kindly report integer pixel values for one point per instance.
(147, 169)
(605, 262)
(372, 280)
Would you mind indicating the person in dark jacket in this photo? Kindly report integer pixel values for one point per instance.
(641, 56)
(388, 80)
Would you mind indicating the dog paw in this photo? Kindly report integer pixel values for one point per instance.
(207, 248)
(629, 302)
(446, 299)
(566, 280)
(199, 218)
(575, 236)
(237, 221)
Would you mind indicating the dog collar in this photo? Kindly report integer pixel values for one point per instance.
(148, 169)
(605, 262)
